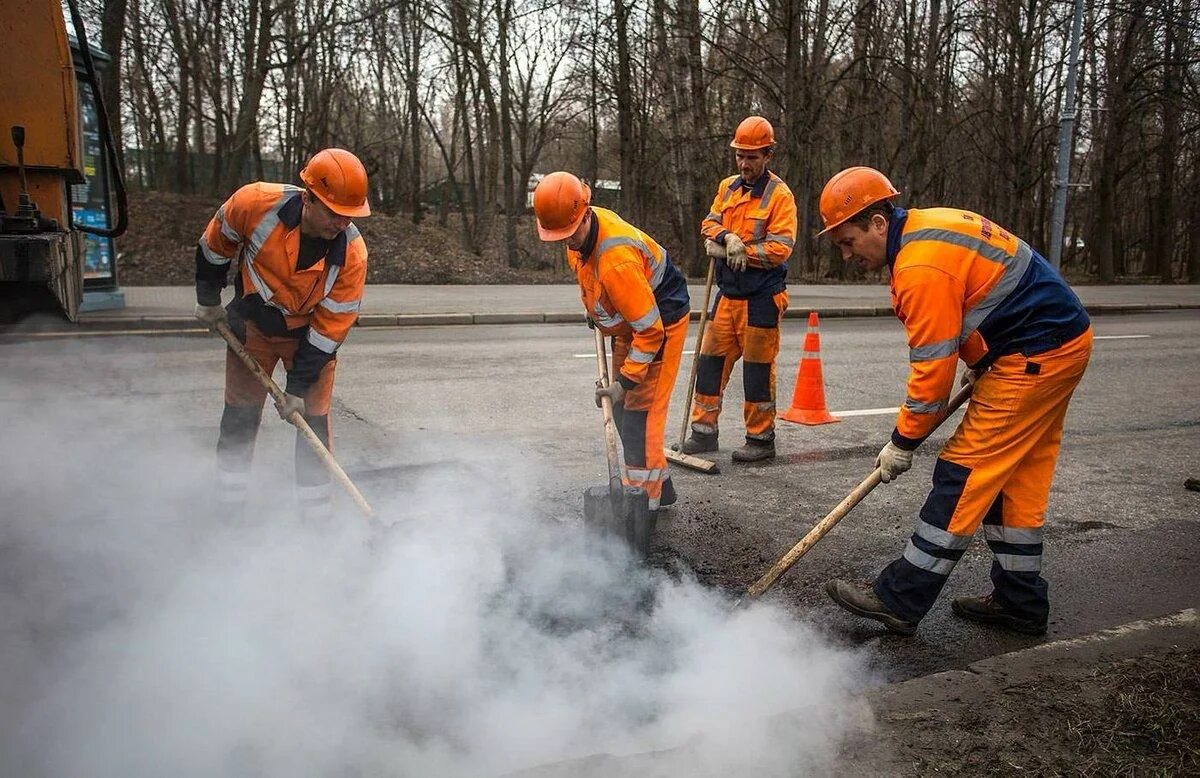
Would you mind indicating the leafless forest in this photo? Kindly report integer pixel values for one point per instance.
(454, 104)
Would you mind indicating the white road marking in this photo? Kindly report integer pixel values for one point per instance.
(867, 412)
(593, 355)
(1119, 337)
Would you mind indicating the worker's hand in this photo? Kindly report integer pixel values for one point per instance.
(591, 323)
(892, 461)
(735, 252)
(211, 315)
(713, 249)
(289, 405)
(969, 377)
(614, 391)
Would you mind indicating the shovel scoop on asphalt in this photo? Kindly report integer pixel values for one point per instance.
(616, 509)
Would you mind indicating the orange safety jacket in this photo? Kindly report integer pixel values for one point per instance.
(260, 225)
(629, 288)
(965, 287)
(763, 215)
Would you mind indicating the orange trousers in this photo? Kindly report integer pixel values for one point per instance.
(995, 470)
(642, 418)
(244, 397)
(740, 329)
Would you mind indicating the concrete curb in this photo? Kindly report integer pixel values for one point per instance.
(109, 324)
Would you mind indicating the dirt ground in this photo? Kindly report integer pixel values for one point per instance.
(160, 247)
(1134, 717)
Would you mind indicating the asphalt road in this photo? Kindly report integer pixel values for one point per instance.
(509, 408)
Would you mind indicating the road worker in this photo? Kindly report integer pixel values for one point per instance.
(302, 265)
(633, 292)
(966, 288)
(751, 230)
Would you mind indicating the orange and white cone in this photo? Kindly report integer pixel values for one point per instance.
(808, 398)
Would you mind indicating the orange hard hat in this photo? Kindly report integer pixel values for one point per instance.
(339, 180)
(851, 190)
(754, 132)
(560, 202)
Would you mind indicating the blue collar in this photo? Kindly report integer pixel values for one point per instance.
(895, 228)
(757, 188)
(289, 216)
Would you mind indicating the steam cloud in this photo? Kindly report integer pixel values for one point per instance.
(143, 635)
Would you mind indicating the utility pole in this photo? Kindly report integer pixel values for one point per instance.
(1066, 129)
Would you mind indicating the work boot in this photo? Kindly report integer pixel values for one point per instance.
(699, 442)
(861, 600)
(986, 610)
(755, 451)
(668, 496)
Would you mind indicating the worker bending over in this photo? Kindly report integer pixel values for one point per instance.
(967, 288)
(751, 227)
(302, 265)
(631, 291)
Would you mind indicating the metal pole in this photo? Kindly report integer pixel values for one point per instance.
(1066, 129)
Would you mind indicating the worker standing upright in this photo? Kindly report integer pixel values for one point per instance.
(302, 267)
(967, 288)
(752, 228)
(632, 291)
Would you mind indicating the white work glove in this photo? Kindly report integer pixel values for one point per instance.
(969, 377)
(614, 391)
(713, 249)
(892, 461)
(289, 405)
(211, 315)
(735, 252)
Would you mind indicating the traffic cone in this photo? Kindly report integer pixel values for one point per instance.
(808, 398)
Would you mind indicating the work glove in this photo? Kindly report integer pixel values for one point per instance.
(614, 391)
(969, 377)
(713, 249)
(211, 315)
(892, 461)
(591, 323)
(735, 252)
(288, 405)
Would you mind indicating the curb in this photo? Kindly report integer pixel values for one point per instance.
(181, 324)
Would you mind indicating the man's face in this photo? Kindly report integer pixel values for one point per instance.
(320, 222)
(751, 164)
(867, 247)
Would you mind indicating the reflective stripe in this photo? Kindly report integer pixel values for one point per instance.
(1014, 270)
(784, 239)
(1015, 266)
(942, 348)
(916, 406)
(210, 256)
(352, 233)
(940, 537)
(227, 232)
(350, 306)
(262, 231)
(704, 429)
(658, 272)
(713, 216)
(1020, 563)
(760, 231)
(646, 321)
(927, 561)
(604, 318)
(328, 345)
(644, 475)
(1001, 534)
(640, 357)
(330, 279)
(623, 240)
(768, 190)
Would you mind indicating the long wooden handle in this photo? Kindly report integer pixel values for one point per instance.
(297, 419)
(837, 514)
(691, 384)
(610, 426)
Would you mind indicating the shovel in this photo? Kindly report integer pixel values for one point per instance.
(296, 419)
(616, 509)
(675, 454)
(856, 496)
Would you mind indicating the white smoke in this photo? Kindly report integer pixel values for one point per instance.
(144, 635)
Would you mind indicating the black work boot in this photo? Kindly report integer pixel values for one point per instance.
(755, 451)
(860, 599)
(668, 496)
(986, 610)
(699, 442)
